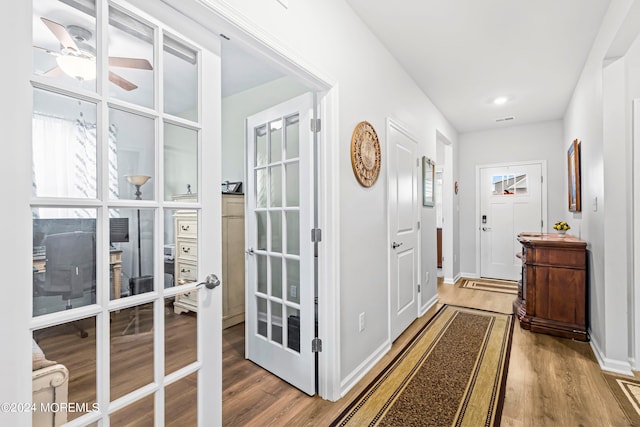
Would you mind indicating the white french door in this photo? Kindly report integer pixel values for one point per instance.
(511, 202)
(280, 309)
(403, 228)
(125, 216)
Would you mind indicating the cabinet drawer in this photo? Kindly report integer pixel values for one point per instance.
(188, 250)
(186, 272)
(187, 228)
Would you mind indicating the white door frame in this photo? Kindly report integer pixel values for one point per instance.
(635, 313)
(397, 125)
(226, 19)
(545, 219)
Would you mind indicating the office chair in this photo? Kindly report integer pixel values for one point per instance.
(70, 267)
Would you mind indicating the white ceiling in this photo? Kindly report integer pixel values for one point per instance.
(242, 71)
(464, 53)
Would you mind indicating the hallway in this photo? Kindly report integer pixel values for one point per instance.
(551, 382)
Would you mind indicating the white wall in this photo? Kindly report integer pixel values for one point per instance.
(604, 162)
(372, 87)
(539, 141)
(236, 108)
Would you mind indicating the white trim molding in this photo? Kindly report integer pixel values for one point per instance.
(357, 374)
(610, 365)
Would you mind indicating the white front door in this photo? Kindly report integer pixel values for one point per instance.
(510, 203)
(125, 216)
(280, 293)
(403, 171)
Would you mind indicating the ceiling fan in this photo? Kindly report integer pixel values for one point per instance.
(77, 58)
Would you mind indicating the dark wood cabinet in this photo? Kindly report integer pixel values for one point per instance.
(552, 294)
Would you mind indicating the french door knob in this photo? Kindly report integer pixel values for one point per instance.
(396, 245)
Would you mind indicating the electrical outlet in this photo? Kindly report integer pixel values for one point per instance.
(426, 278)
(361, 321)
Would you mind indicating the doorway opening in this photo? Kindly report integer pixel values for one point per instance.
(444, 194)
(251, 84)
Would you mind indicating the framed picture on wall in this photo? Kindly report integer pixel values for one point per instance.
(573, 163)
(428, 174)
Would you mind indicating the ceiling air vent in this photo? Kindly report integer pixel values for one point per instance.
(505, 119)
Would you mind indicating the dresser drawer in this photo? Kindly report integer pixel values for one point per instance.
(187, 228)
(188, 250)
(186, 272)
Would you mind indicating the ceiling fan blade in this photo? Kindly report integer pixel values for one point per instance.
(61, 34)
(54, 72)
(49, 51)
(121, 81)
(142, 64)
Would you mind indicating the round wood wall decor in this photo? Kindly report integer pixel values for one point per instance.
(365, 154)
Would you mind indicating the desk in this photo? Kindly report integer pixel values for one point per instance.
(115, 264)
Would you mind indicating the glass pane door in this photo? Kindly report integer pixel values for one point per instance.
(118, 221)
(280, 314)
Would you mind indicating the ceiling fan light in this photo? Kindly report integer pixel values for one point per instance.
(79, 67)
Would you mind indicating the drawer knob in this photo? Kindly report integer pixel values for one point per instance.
(185, 228)
(186, 250)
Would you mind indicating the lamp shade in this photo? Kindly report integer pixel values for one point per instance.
(138, 179)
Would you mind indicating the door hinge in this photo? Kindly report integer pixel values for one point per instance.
(418, 287)
(316, 345)
(418, 225)
(316, 124)
(316, 235)
(541, 178)
(541, 223)
(418, 162)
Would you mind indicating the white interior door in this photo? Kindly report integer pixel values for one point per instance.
(510, 203)
(123, 173)
(403, 174)
(280, 293)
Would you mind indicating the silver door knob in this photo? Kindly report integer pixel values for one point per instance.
(486, 228)
(396, 245)
(250, 251)
(210, 282)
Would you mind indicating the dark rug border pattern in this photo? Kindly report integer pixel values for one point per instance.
(626, 406)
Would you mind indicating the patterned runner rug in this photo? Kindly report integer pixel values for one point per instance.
(627, 393)
(493, 285)
(452, 373)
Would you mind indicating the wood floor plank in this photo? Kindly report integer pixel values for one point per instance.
(551, 381)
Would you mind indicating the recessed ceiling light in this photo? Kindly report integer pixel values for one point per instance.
(500, 100)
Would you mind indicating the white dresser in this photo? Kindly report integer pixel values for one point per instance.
(233, 257)
(186, 253)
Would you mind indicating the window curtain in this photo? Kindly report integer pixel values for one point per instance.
(65, 163)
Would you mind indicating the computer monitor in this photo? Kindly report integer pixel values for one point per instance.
(118, 230)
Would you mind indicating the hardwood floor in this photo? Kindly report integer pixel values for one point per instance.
(551, 381)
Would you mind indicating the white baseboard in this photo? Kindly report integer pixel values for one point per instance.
(468, 275)
(610, 365)
(433, 301)
(362, 369)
